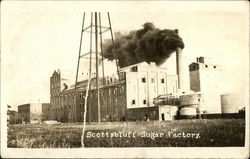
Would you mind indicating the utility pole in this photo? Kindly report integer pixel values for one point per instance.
(97, 70)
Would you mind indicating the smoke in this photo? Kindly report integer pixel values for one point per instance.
(148, 44)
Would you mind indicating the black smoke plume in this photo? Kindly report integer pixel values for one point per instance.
(148, 44)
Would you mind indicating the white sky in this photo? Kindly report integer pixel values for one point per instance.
(40, 37)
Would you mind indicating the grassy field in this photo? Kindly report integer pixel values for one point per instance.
(179, 133)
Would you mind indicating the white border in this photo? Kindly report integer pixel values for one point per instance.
(150, 6)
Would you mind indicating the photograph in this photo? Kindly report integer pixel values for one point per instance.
(125, 79)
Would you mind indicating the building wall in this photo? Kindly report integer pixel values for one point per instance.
(45, 111)
(112, 103)
(194, 81)
(172, 84)
(167, 112)
(24, 113)
(143, 113)
(144, 82)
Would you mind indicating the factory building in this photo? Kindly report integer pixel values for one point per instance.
(143, 91)
(139, 84)
(205, 78)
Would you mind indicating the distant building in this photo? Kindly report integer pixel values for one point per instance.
(31, 112)
(205, 78)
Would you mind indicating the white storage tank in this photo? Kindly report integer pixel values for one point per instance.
(191, 99)
(188, 112)
(230, 103)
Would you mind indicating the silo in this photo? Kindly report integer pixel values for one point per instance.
(191, 100)
(230, 103)
(189, 105)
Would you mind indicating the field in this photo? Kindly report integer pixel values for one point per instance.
(179, 133)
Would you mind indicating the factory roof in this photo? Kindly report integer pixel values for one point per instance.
(142, 64)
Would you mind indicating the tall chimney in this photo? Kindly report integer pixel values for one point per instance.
(179, 67)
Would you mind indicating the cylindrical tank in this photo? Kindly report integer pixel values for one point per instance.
(230, 103)
(188, 112)
(191, 99)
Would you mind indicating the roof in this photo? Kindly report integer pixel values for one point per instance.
(144, 63)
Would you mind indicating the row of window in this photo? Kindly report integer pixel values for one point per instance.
(55, 92)
(69, 105)
(53, 85)
(55, 101)
(143, 80)
(55, 78)
(143, 101)
(196, 67)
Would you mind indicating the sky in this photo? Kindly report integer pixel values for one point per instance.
(40, 37)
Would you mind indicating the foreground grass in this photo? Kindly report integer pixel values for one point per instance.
(213, 132)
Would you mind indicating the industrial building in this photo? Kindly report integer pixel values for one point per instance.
(138, 86)
(144, 91)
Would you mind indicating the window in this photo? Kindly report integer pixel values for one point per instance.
(152, 80)
(81, 105)
(194, 67)
(134, 69)
(81, 116)
(144, 101)
(162, 80)
(133, 101)
(143, 80)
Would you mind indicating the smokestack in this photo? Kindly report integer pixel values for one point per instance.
(179, 67)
